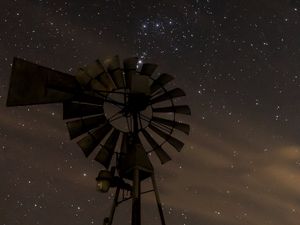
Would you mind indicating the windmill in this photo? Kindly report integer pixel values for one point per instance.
(119, 114)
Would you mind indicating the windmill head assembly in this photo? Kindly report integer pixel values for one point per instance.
(118, 114)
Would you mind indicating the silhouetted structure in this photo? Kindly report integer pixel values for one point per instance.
(122, 111)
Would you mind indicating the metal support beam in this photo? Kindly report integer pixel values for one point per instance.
(136, 186)
(109, 220)
(161, 214)
(136, 199)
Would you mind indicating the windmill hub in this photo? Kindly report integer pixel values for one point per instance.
(137, 102)
(122, 104)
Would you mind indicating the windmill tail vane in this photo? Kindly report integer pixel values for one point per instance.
(118, 114)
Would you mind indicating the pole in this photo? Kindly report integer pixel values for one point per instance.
(136, 187)
(136, 200)
(112, 211)
(161, 214)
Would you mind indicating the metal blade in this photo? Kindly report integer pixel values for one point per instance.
(91, 72)
(174, 93)
(83, 78)
(96, 85)
(74, 109)
(182, 109)
(161, 81)
(105, 155)
(34, 84)
(95, 71)
(90, 142)
(81, 126)
(140, 84)
(130, 65)
(161, 154)
(185, 128)
(88, 75)
(105, 79)
(178, 145)
(114, 69)
(148, 69)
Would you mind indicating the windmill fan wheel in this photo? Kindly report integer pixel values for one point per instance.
(112, 97)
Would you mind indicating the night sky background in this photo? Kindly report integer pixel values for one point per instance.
(239, 63)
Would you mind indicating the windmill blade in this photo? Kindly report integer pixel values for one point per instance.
(105, 155)
(81, 126)
(114, 69)
(161, 154)
(94, 71)
(140, 84)
(178, 145)
(185, 128)
(34, 84)
(130, 65)
(174, 93)
(74, 109)
(161, 81)
(96, 85)
(90, 141)
(83, 78)
(148, 69)
(88, 82)
(182, 109)
(106, 80)
(86, 74)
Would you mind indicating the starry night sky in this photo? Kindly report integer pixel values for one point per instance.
(239, 63)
